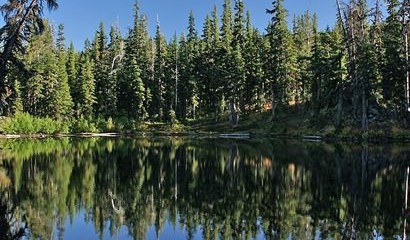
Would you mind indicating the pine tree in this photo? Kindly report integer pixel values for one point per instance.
(239, 34)
(189, 56)
(101, 72)
(393, 67)
(64, 102)
(137, 89)
(304, 35)
(277, 65)
(232, 61)
(133, 81)
(86, 87)
(115, 57)
(72, 73)
(254, 87)
(325, 67)
(226, 29)
(158, 90)
(171, 81)
(40, 87)
(209, 68)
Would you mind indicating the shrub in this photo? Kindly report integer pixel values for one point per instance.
(82, 125)
(109, 124)
(24, 123)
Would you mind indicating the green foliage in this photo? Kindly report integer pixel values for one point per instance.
(355, 71)
(125, 125)
(83, 125)
(22, 21)
(24, 123)
(279, 64)
(109, 124)
(86, 87)
(63, 99)
(172, 117)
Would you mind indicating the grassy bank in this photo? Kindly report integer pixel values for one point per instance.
(290, 123)
(294, 123)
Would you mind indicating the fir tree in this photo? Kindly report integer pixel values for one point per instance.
(86, 96)
(254, 86)
(226, 29)
(72, 73)
(189, 57)
(133, 79)
(39, 95)
(101, 72)
(393, 67)
(304, 35)
(158, 90)
(277, 64)
(64, 102)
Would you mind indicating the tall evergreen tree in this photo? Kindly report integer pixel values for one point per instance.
(189, 57)
(211, 97)
(239, 33)
(114, 59)
(393, 67)
(278, 65)
(72, 73)
(158, 90)
(39, 90)
(132, 88)
(64, 102)
(171, 81)
(101, 69)
(325, 67)
(254, 87)
(304, 35)
(226, 28)
(86, 93)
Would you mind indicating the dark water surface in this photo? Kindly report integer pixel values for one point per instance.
(176, 188)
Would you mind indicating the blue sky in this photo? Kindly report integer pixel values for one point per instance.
(81, 18)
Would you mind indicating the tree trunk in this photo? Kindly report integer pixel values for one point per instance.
(339, 109)
(233, 117)
(365, 124)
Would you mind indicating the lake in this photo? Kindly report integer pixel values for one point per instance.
(194, 188)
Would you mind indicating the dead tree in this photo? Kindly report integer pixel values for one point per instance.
(353, 19)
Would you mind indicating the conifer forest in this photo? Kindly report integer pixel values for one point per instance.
(353, 73)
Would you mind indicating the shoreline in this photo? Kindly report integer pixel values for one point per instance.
(245, 135)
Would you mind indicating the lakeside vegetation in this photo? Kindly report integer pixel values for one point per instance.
(348, 80)
(255, 125)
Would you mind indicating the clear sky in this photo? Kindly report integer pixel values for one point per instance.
(81, 18)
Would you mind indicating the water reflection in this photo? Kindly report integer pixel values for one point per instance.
(201, 188)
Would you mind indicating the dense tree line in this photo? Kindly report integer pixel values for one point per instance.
(352, 73)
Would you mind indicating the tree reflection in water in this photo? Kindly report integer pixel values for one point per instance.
(229, 189)
(12, 221)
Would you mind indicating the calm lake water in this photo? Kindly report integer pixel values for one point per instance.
(178, 188)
